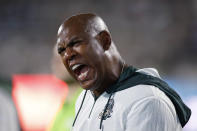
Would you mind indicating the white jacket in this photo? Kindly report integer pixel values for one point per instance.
(140, 108)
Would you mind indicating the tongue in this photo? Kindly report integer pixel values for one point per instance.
(83, 73)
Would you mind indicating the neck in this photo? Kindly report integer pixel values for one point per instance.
(110, 79)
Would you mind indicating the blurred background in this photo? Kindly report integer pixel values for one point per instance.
(148, 33)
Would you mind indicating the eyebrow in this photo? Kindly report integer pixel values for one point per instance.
(73, 41)
(70, 43)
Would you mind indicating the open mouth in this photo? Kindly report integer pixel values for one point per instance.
(80, 71)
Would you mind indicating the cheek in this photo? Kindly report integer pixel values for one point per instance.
(95, 52)
(64, 62)
(96, 58)
(68, 69)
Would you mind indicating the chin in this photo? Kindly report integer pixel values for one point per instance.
(88, 85)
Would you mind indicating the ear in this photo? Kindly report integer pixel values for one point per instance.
(104, 39)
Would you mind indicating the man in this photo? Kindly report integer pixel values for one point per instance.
(116, 97)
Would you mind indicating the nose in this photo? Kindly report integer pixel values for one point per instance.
(70, 54)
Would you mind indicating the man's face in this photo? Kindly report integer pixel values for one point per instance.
(82, 55)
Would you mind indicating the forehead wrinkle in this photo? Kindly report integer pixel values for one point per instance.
(60, 43)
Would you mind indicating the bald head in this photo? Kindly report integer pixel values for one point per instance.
(87, 23)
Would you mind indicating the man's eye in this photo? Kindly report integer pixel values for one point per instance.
(76, 43)
(60, 50)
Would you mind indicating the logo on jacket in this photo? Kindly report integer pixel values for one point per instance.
(109, 110)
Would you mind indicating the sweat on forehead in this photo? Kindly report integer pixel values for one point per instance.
(88, 23)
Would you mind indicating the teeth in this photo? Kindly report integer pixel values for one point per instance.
(76, 66)
(82, 75)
